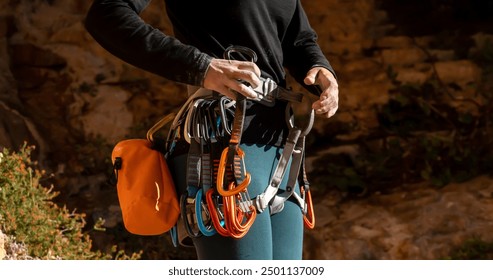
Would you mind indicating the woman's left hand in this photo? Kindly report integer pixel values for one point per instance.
(328, 103)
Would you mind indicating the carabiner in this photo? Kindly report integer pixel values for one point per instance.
(209, 114)
(188, 132)
(238, 221)
(240, 50)
(309, 216)
(201, 210)
(214, 211)
(232, 189)
(226, 113)
(173, 233)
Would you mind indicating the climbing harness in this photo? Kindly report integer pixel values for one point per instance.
(216, 199)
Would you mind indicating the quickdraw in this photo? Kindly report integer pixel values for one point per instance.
(217, 200)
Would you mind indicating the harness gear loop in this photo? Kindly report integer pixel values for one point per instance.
(157, 126)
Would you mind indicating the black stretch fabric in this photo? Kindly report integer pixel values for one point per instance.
(277, 30)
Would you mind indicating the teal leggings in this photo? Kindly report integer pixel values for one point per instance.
(271, 237)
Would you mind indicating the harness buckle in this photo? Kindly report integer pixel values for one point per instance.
(188, 215)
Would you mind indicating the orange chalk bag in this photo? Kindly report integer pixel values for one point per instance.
(145, 187)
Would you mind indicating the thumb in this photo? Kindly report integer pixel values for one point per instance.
(311, 77)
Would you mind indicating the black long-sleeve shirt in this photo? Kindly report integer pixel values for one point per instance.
(277, 30)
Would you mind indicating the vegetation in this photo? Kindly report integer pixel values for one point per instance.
(473, 249)
(30, 218)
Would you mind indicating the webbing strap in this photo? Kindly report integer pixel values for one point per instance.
(194, 162)
(237, 129)
(268, 91)
(277, 203)
(206, 169)
(295, 149)
(187, 199)
(263, 200)
(238, 121)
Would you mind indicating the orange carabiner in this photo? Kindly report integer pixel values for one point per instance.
(214, 214)
(222, 171)
(250, 218)
(309, 217)
(235, 217)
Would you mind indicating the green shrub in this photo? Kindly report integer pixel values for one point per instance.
(30, 217)
(473, 249)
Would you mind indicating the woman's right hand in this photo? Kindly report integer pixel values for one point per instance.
(228, 77)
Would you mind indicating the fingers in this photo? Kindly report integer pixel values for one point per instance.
(250, 72)
(231, 88)
(237, 86)
(327, 105)
(328, 102)
(230, 77)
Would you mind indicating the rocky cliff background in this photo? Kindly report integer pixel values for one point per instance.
(408, 71)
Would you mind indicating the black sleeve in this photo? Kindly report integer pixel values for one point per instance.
(117, 27)
(300, 47)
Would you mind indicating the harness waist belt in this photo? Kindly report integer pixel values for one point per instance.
(268, 91)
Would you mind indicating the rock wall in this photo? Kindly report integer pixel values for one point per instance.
(62, 92)
(413, 223)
